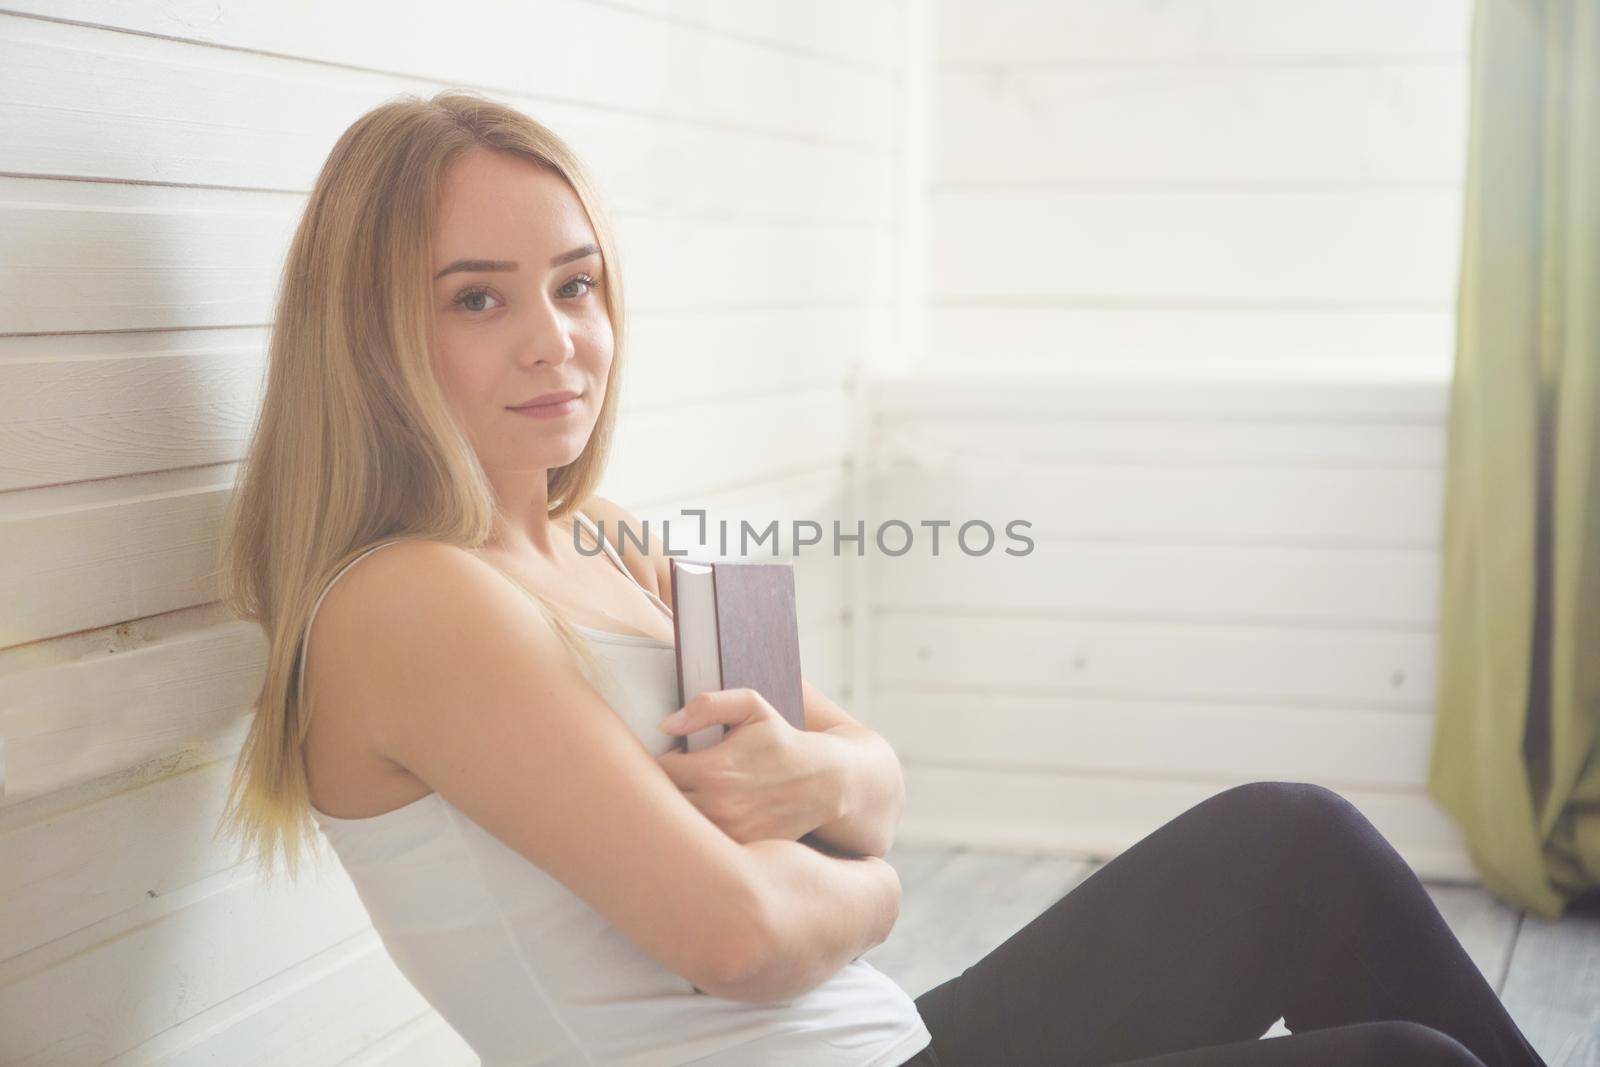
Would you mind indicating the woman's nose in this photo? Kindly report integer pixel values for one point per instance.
(547, 340)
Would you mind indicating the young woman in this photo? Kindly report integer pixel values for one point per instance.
(476, 722)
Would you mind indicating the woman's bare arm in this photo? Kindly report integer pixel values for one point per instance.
(455, 675)
(820, 912)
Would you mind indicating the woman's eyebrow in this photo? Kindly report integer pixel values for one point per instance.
(476, 265)
(506, 264)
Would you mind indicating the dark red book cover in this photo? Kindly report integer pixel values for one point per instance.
(757, 632)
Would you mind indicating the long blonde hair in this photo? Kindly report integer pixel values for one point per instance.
(355, 443)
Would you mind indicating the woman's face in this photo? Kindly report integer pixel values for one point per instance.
(518, 310)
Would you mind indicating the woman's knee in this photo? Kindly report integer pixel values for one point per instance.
(1302, 818)
(1404, 1041)
(1307, 808)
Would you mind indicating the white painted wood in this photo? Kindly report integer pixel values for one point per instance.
(904, 343)
(690, 357)
(1099, 815)
(825, 659)
(602, 56)
(1205, 660)
(1388, 588)
(267, 122)
(109, 256)
(1168, 445)
(1107, 734)
(1369, 248)
(63, 869)
(1188, 501)
(346, 1001)
(1227, 582)
(1214, 187)
(1219, 342)
(1009, 125)
(1211, 32)
(109, 986)
(851, 31)
(86, 406)
(97, 553)
(1112, 395)
(93, 715)
(689, 448)
(1552, 986)
(423, 1042)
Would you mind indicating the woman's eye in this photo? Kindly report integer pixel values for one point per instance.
(589, 283)
(468, 295)
(467, 300)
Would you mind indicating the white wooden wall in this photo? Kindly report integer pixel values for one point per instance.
(1218, 187)
(1191, 312)
(1227, 584)
(155, 158)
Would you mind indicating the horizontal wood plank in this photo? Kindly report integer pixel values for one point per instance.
(1182, 503)
(1324, 586)
(1181, 738)
(109, 988)
(1366, 248)
(1097, 816)
(1017, 125)
(268, 122)
(1357, 403)
(1205, 660)
(852, 31)
(336, 1005)
(607, 56)
(1109, 444)
(1208, 32)
(1166, 344)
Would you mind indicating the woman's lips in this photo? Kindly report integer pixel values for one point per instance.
(549, 411)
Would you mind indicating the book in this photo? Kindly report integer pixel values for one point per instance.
(734, 625)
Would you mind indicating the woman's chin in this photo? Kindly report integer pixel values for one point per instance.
(552, 457)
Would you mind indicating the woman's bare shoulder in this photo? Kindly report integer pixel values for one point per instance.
(348, 773)
(385, 617)
(390, 591)
(402, 574)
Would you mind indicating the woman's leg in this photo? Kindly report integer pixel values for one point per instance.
(1400, 1044)
(1268, 899)
(1392, 1044)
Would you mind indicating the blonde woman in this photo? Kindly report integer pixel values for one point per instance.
(479, 720)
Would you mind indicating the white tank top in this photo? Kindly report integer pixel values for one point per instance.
(528, 973)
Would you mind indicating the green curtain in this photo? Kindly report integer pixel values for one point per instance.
(1514, 758)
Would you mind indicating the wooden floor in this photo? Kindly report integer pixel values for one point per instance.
(960, 903)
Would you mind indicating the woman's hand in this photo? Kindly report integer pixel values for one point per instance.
(764, 779)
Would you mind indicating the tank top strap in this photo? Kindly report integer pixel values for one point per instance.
(589, 525)
(305, 634)
(615, 558)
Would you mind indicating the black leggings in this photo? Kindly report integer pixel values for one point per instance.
(1268, 899)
